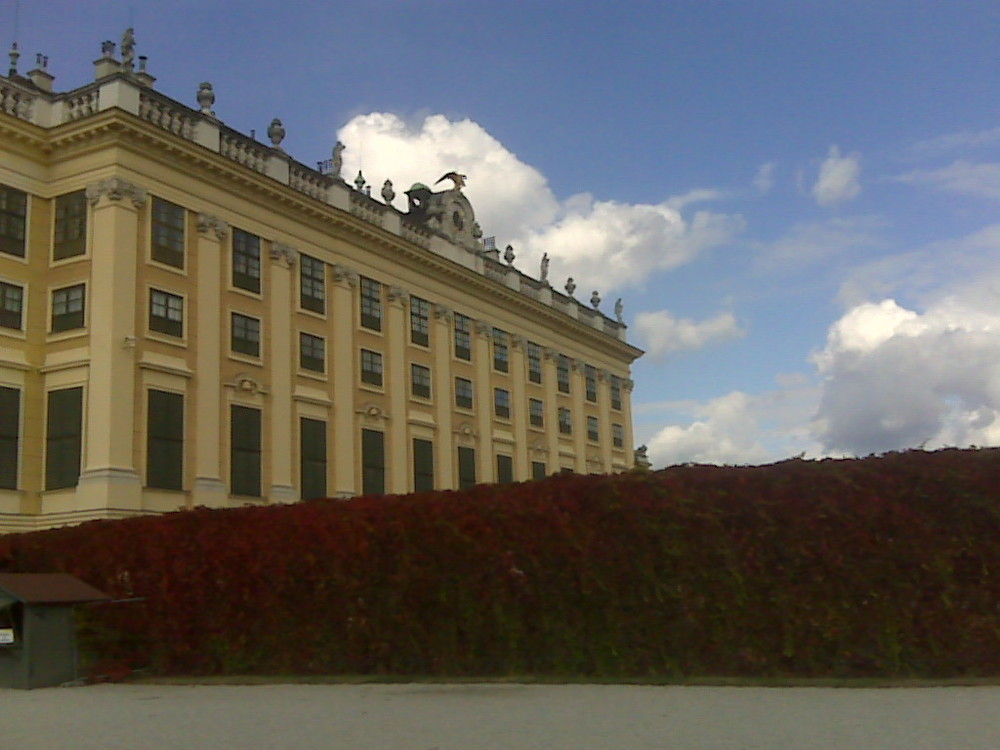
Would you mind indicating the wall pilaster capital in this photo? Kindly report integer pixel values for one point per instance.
(628, 384)
(116, 189)
(209, 223)
(441, 312)
(343, 275)
(396, 294)
(483, 328)
(286, 255)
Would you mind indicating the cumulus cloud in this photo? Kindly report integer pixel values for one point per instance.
(963, 177)
(604, 245)
(665, 335)
(839, 178)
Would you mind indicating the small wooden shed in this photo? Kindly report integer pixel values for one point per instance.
(38, 628)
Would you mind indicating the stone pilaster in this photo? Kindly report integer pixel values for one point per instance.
(549, 362)
(577, 389)
(604, 412)
(399, 479)
(519, 403)
(483, 359)
(344, 366)
(445, 458)
(282, 363)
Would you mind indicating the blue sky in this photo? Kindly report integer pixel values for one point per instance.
(797, 200)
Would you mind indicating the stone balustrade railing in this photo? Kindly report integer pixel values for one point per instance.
(167, 114)
(16, 101)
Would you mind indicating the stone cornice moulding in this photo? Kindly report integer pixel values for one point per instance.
(209, 223)
(116, 189)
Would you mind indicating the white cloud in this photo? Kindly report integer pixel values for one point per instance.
(604, 245)
(960, 141)
(963, 177)
(664, 335)
(809, 243)
(839, 178)
(764, 180)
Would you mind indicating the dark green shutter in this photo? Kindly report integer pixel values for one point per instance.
(165, 440)
(312, 458)
(423, 465)
(10, 427)
(505, 469)
(63, 438)
(245, 473)
(466, 467)
(372, 462)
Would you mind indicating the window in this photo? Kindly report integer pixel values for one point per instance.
(312, 352)
(590, 375)
(617, 436)
(372, 462)
(501, 351)
(166, 313)
(466, 467)
(423, 465)
(463, 393)
(168, 233)
(505, 469)
(371, 304)
(63, 438)
(68, 308)
(593, 432)
(420, 381)
(565, 421)
(562, 373)
(244, 447)
(11, 305)
(312, 458)
(420, 321)
(246, 261)
(616, 392)
(534, 362)
(245, 336)
(13, 220)
(463, 337)
(538, 470)
(165, 440)
(501, 402)
(71, 225)
(536, 412)
(371, 367)
(10, 433)
(312, 284)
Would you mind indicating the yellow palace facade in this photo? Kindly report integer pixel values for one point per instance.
(190, 317)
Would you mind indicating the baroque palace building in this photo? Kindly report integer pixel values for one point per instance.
(190, 317)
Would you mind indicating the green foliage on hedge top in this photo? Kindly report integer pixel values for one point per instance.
(882, 566)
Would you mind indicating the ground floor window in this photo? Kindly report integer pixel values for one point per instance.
(245, 451)
(165, 440)
(505, 469)
(10, 433)
(466, 467)
(312, 458)
(63, 438)
(372, 462)
(423, 465)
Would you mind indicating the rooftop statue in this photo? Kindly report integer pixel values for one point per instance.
(619, 309)
(338, 158)
(543, 274)
(458, 179)
(128, 50)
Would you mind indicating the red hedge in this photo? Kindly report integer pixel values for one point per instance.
(880, 566)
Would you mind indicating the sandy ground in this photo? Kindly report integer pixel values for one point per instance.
(488, 716)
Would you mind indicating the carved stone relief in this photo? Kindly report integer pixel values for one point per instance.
(116, 189)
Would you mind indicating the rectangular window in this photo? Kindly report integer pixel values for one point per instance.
(63, 438)
(423, 465)
(501, 402)
(166, 313)
(505, 469)
(312, 458)
(420, 381)
(71, 225)
(536, 412)
(312, 352)
(463, 337)
(501, 351)
(420, 321)
(371, 367)
(534, 362)
(562, 373)
(68, 308)
(372, 462)
(10, 434)
(593, 431)
(463, 393)
(590, 375)
(466, 467)
(246, 261)
(165, 440)
(11, 305)
(617, 436)
(371, 304)
(245, 336)
(168, 233)
(616, 392)
(312, 284)
(245, 453)
(538, 470)
(13, 220)
(565, 421)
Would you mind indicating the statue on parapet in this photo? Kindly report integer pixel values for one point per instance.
(455, 177)
(128, 50)
(338, 159)
(543, 271)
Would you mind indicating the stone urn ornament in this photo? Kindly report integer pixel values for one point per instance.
(276, 132)
(206, 98)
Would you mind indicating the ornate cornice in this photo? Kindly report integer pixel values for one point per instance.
(209, 223)
(116, 189)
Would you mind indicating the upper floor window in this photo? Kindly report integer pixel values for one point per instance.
(11, 305)
(463, 337)
(565, 421)
(246, 261)
(617, 436)
(420, 381)
(562, 373)
(312, 284)
(371, 367)
(168, 233)
(616, 392)
(166, 313)
(593, 430)
(501, 350)
(463, 393)
(501, 402)
(420, 321)
(536, 412)
(312, 352)
(534, 362)
(71, 225)
(590, 376)
(68, 306)
(13, 220)
(245, 335)
(10, 436)
(371, 304)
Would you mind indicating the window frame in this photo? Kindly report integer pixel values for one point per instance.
(313, 458)
(312, 284)
(617, 435)
(466, 463)
(372, 462)
(246, 266)
(70, 217)
(562, 374)
(505, 469)
(565, 421)
(420, 321)
(463, 337)
(245, 450)
(501, 403)
(312, 357)
(373, 374)
(370, 303)
(167, 233)
(501, 350)
(590, 378)
(616, 393)
(420, 386)
(252, 344)
(534, 357)
(164, 323)
(63, 437)
(68, 320)
(12, 241)
(10, 436)
(459, 393)
(164, 440)
(536, 412)
(6, 298)
(423, 465)
(593, 429)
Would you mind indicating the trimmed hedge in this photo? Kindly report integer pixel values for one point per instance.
(886, 566)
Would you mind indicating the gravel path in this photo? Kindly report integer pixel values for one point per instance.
(492, 716)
